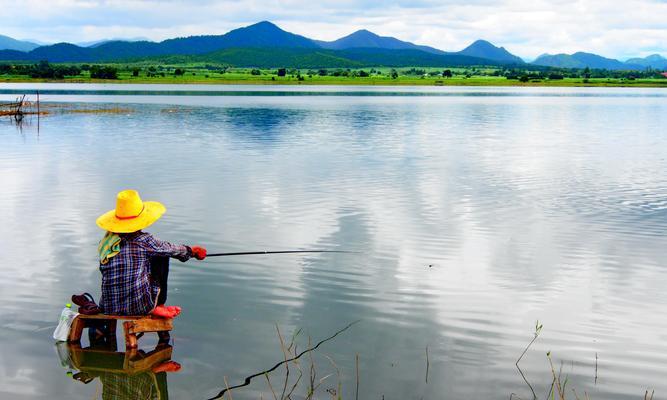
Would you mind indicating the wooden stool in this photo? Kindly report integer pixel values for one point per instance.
(132, 326)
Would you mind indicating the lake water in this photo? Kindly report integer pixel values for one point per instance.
(475, 212)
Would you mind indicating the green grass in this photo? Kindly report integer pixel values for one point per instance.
(198, 74)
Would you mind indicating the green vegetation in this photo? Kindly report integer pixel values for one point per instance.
(559, 389)
(42, 70)
(220, 73)
(103, 72)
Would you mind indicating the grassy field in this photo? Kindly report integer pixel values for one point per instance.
(198, 74)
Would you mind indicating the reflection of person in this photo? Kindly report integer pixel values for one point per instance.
(135, 264)
(125, 376)
(134, 387)
(146, 385)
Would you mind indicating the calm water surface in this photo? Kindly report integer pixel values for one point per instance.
(475, 212)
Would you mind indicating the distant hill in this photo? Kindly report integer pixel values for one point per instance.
(484, 49)
(97, 43)
(367, 39)
(7, 43)
(265, 44)
(408, 57)
(258, 57)
(61, 52)
(558, 60)
(262, 34)
(265, 34)
(655, 61)
(260, 45)
(326, 58)
(583, 60)
(13, 55)
(596, 61)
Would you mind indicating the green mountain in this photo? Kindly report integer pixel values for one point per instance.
(97, 43)
(7, 43)
(266, 45)
(263, 34)
(583, 60)
(13, 55)
(324, 58)
(559, 61)
(368, 40)
(655, 61)
(484, 49)
(274, 57)
(262, 45)
(408, 57)
(62, 52)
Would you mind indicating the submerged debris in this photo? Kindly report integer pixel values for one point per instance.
(20, 108)
(113, 110)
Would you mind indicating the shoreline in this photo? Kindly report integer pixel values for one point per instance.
(481, 82)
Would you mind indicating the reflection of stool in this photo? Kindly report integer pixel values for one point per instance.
(130, 362)
(131, 326)
(126, 375)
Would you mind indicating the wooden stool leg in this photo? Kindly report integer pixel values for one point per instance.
(76, 330)
(111, 327)
(111, 332)
(130, 337)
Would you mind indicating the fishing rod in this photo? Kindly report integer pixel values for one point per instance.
(245, 253)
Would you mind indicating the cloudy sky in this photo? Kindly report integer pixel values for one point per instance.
(613, 28)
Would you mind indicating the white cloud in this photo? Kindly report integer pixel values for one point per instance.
(526, 28)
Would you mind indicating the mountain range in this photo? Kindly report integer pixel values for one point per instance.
(96, 43)
(484, 49)
(583, 60)
(7, 43)
(367, 39)
(256, 46)
(362, 48)
(655, 61)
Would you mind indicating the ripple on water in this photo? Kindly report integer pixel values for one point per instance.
(475, 213)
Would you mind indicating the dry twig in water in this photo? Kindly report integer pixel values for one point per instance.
(538, 329)
(296, 357)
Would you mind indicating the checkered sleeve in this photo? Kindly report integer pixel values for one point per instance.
(124, 386)
(161, 248)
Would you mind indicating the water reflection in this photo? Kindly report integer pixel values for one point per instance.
(544, 205)
(24, 125)
(261, 124)
(130, 375)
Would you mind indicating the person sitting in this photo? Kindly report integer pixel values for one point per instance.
(135, 264)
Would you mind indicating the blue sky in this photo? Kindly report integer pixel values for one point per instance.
(613, 28)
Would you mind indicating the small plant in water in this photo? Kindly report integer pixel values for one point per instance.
(294, 371)
(557, 389)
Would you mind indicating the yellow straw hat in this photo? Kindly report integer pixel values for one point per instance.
(131, 214)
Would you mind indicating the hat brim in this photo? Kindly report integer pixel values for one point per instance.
(151, 213)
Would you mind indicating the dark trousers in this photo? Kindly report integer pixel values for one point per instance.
(159, 274)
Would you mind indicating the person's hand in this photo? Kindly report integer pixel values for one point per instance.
(199, 252)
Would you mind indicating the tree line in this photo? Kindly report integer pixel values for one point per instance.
(46, 70)
(41, 70)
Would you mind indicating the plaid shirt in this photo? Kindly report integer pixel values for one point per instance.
(125, 387)
(127, 288)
